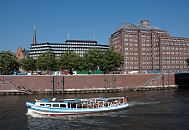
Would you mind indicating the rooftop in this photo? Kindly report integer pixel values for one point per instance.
(80, 41)
(144, 25)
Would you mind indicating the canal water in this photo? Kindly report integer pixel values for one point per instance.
(149, 110)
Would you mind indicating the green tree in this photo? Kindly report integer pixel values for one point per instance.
(111, 61)
(28, 64)
(8, 63)
(69, 60)
(47, 62)
(92, 59)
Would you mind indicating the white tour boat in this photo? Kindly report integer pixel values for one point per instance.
(58, 107)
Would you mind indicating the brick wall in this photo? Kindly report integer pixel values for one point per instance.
(41, 83)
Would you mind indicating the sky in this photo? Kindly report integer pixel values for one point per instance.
(96, 20)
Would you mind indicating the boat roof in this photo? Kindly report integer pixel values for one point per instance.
(77, 100)
(72, 101)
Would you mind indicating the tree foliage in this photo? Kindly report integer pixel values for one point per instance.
(28, 64)
(92, 59)
(111, 61)
(46, 62)
(69, 60)
(105, 61)
(8, 63)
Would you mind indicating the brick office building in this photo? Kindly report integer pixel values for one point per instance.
(147, 48)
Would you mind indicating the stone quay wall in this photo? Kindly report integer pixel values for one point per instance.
(42, 83)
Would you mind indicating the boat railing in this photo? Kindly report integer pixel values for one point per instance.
(152, 80)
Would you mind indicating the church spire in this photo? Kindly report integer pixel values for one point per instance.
(34, 37)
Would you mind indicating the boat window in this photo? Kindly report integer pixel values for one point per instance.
(55, 105)
(42, 104)
(68, 105)
(73, 105)
(62, 105)
(48, 105)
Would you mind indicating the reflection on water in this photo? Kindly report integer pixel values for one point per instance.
(147, 110)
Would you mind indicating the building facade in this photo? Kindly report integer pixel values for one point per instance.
(80, 47)
(147, 48)
(21, 53)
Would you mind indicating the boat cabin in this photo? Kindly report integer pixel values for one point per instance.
(82, 103)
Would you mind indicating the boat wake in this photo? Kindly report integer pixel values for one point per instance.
(132, 104)
(35, 115)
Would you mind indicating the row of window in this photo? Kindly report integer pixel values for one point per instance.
(143, 49)
(37, 53)
(85, 43)
(174, 62)
(174, 67)
(131, 53)
(146, 67)
(130, 31)
(146, 54)
(131, 67)
(66, 46)
(176, 40)
(175, 44)
(175, 53)
(59, 50)
(173, 57)
(174, 48)
(146, 36)
(155, 67)
(142, 67)
(131, 36)
(131, 58)
(131, 40)
(54, 105)
(131, 44)
(145, 42)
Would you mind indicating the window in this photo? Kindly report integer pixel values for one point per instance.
(42, 104)
(62, 105)
(55, 105)
(48, 105)
(73, 105)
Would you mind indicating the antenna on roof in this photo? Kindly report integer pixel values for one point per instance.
(34, 36)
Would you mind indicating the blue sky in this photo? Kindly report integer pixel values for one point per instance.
(84, 19)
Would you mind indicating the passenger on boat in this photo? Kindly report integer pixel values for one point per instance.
(126, 99)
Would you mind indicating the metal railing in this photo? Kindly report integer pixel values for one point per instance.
(15, 87)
